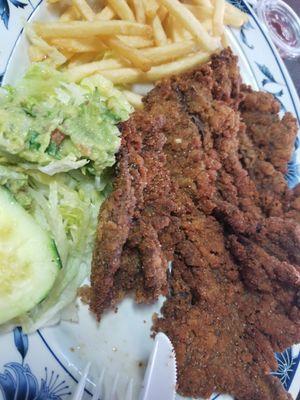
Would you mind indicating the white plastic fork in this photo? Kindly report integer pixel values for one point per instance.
(81, 384)
(159, 380)
(78, 395)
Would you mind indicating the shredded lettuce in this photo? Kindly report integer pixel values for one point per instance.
(57, 142)
(68, 209)
(66, 205)
(65, 165)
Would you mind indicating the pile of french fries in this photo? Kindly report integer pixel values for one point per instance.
(132, 41)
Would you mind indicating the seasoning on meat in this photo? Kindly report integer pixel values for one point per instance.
(209, 195)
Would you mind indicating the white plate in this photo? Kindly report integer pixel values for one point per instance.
(47, 365)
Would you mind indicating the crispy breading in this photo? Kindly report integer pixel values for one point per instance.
(213, 201)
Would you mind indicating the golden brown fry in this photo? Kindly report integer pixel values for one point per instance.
(218, 17)
(173, 30)
(82, 58)
(200, 12)
(151, 8)
(186, 35)
(162, 12)
(106, 14)
(122, 9)
(81, 29)
(134, 75)
(139, 11)
(169, 52)
(36, 54)
(232, 16)
(186, 18)
(124, 75)
(224, 40)
(208, 26)
(160, 37)
(168, 26)
(56, 57)
(134, 99)
(129, 53)
(78, 72)
(85, 10)
(71, 14)
(79, 45)
(68, 54)
(176, 67)
(138, 42)
(203, 3)
(176, 33)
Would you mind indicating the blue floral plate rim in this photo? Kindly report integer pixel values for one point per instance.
(22, 374)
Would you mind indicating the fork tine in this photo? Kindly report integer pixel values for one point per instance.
(113, 393)
(128, 395)
(81, 384)
(98, 387)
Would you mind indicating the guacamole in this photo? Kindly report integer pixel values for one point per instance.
(46, 118)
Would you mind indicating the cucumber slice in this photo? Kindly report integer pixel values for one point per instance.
(29, 260)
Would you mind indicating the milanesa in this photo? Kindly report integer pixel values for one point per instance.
(200, 182)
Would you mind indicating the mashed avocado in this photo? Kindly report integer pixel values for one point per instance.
(46, 119)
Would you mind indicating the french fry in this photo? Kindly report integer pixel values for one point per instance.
(218, 17)
(81, 58)
(82, 29)
(79, 45)
(224, 40)
(71, 14)
(129, 53)
(208, 26)
(169, 52)
(176, 36)
(186, 18)
(124, 75)
(176, 67)
(231, 17)
(78, 72)
(67, 54)
(172, 29)
(203, 3)
(133, 75)
(138, 42)
(175, 31)
(36, 54)
(160, 37)
(186, 35)
(200, 12)
(105, 14)
(168, 26)
(234, 16)
(51, 51)
(85, 10)
(139, 11)
(151, 8)
(162, 12)
(122, 9)
(134, 99)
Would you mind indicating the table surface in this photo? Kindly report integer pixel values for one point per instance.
(294, 65)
